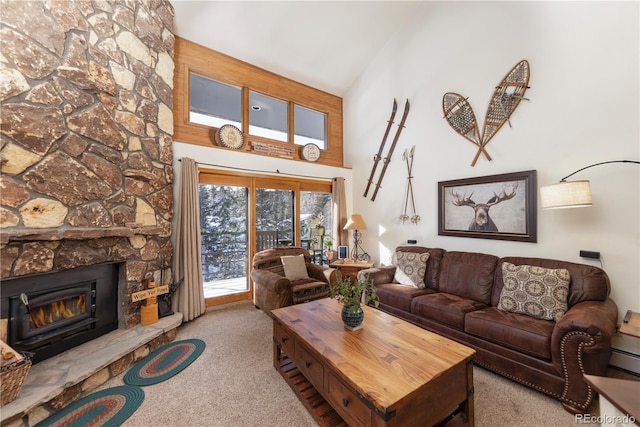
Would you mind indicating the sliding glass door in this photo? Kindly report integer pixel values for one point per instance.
(224, 227)
(242, 214)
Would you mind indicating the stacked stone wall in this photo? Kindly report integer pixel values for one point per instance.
(86, 130)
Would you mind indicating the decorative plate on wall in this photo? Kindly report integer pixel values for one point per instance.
(310, 152)
(229, 136)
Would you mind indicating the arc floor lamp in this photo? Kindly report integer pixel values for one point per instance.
(571, 194)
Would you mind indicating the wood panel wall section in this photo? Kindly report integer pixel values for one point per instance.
(191, 57)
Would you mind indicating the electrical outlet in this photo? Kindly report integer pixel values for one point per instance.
(590, 254)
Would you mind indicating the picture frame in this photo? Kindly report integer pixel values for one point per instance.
(343, 252)
(501, 207)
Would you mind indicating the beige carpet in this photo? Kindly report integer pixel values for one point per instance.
(233, 384)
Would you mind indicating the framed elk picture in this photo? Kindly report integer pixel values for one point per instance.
(490, 207)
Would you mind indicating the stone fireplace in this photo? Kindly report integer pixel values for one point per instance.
(86, 142)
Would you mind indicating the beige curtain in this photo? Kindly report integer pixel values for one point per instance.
(189, 298)
(341, 236)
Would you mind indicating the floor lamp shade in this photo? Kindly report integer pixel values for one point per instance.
(567, 194)
(571, 194)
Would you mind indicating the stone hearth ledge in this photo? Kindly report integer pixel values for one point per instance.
(49, 378)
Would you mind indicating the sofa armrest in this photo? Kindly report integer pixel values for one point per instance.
(379, 275)
(322, 273)
(271, 281)
(581, 344)
(593, 319)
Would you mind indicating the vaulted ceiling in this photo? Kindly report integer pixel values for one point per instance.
(323, 44)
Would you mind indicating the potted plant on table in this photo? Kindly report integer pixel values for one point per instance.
(352, 295)
(328, 243)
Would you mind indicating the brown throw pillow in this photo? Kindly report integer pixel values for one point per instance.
(536, 291)
(294, 267)
(411, 268)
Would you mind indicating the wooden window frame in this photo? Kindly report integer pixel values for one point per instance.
(193, 58)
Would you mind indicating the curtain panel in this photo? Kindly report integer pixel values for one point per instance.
(189, 298)
(339, 212)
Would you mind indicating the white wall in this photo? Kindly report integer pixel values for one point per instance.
(583, 109)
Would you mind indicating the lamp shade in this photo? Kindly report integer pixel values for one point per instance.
(355, 223)
(572, 194)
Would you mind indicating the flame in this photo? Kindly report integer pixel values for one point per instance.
(57, 310)
(38, 318)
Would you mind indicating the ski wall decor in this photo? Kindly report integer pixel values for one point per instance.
(387, 158)
(378, 156)
(506, 97)
(407, 157)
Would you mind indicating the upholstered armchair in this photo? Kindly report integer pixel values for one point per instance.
(284, 276)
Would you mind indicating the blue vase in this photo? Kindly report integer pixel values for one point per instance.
(352, 320)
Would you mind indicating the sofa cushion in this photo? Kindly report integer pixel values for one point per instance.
(515, 331)
(432, 274)
(411, 268)
(295, 267)
(588, 283)
(468, 275)
(308, 290)
(445, 308)
(534, 291)
(399, 296)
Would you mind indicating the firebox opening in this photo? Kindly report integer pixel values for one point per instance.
(53, 312)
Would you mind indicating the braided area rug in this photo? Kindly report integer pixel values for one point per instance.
(109, 407)
(164, 362)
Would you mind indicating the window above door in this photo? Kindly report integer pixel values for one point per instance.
(212, 90)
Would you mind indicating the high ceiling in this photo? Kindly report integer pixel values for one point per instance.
(324, 44)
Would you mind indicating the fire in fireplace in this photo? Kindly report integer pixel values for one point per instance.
(50, 313)
(57, 312)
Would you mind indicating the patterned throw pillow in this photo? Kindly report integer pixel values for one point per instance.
(294, 267)
(535, 291)
(411, 268)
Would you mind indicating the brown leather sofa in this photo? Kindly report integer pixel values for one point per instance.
(460, 301)
(272, 289)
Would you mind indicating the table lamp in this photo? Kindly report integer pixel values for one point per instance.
(356, 223)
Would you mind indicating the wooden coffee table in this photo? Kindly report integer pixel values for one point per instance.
(389, 373)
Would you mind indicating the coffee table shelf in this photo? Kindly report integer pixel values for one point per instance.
(317, 406)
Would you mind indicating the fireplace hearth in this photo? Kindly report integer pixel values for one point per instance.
(54, 312)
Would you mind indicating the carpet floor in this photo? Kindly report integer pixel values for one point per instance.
(233, 384)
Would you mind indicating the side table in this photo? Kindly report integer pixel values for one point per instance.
(632, 326)
(351, 268)
(619, 400)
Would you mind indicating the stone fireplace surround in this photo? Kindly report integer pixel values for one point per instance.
(86, 157)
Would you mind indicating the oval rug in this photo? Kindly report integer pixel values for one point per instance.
(165, 362)
(108, 407)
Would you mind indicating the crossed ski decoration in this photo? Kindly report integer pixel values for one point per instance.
(506, 97)
(387, 158)
(407, 157)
